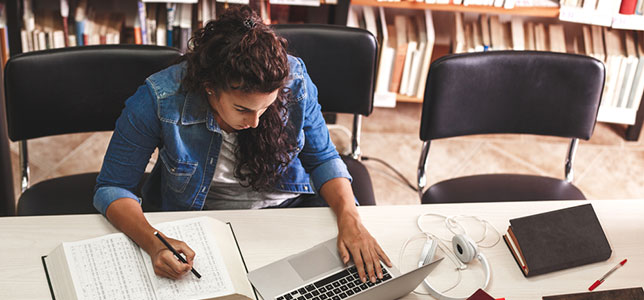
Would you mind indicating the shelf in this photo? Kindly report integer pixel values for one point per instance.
(585, 16)
(546, 12)
(617, 115)
(408, 99)
(633, 22)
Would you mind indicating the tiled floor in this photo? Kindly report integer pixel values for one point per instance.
(606, 167)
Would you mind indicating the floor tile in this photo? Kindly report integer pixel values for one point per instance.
(34, 172)
(87, 157)
(549, 158)
(46, 152)
(616, 174)
(489, 159)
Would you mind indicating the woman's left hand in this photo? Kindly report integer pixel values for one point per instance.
(355, 241)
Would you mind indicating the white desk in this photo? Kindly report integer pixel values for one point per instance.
(267, 235)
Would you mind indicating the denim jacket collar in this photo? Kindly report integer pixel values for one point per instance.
(197, 110)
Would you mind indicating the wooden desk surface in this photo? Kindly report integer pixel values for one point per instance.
(268, 235)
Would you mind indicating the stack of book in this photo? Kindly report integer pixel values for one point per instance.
(407, 44)
(624, 14)
(407, 40)
(508, 4)
(621, 51)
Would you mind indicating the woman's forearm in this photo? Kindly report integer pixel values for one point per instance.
(126, 215)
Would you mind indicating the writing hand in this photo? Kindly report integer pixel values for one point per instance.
(166, 264)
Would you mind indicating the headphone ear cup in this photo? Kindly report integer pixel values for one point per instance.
(464, 248)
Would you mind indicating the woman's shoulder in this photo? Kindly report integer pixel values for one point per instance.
(166, 82)
(297, 82)
(297, 67)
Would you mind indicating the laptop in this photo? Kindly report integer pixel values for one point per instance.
(319, 274)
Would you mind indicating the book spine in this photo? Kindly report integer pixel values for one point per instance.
(142, 22)
(628, 7)
(171, 10)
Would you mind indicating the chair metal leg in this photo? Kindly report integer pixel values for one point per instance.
(355, 137)
(422, 176)
(570, 159)
(24, 165)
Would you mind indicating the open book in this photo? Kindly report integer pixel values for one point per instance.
(114, 267)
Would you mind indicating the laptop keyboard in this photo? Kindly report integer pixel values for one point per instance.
(340, 285)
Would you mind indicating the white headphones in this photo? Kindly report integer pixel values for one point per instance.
(464, 249)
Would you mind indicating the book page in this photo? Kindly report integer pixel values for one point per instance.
(215, 280)
(108, 267)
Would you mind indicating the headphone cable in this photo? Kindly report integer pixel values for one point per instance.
(400, 175)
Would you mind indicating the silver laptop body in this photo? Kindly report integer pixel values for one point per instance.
(312, 271)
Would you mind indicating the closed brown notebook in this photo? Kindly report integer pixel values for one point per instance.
(621, 294)
(557, 240)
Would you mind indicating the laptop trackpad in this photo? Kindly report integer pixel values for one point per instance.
(317, 261)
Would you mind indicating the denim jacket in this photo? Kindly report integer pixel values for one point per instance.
(183, 127)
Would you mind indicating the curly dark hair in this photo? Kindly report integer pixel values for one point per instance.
(239, 52)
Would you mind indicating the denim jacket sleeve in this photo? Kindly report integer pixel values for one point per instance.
(136, 135)
(319, 156)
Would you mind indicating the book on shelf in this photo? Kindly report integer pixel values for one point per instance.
(617, 294)
(430, 36)
(458, 34)
(496, 34)
(529, 36)
(518, 34)
(382, 96)
(485, 31)
(4, 41)
(557, 38)
(114, 267)
(614, 68)
(400, 32)
(540, 37)
(557, 240)
(412, 50)
(630, 61)
(637, 90)
(627, 7)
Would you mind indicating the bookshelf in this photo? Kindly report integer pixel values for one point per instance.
(545, 12)
(327, 13)
(633, 117)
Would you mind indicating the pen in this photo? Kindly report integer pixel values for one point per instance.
(598, 282)
(183, 260)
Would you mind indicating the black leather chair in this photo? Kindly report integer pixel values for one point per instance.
(7, 198)
(72, 90)
(342, 63)
(541, 93)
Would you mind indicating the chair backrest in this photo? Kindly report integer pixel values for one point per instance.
(530, 92)
(7, 198)
(341, 62)
(78, 89)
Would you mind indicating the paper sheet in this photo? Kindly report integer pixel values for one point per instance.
(214, 280)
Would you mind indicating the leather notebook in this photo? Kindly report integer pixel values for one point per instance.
(621, 294)
(557, 240)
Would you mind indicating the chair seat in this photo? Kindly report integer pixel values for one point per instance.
(501, 187)
(72, 194)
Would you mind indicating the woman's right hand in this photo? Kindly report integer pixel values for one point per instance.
(126, 215)
(167, 265)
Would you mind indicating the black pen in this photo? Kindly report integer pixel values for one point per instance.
(183, 260)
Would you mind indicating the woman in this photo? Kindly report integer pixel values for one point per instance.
(237, 125)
